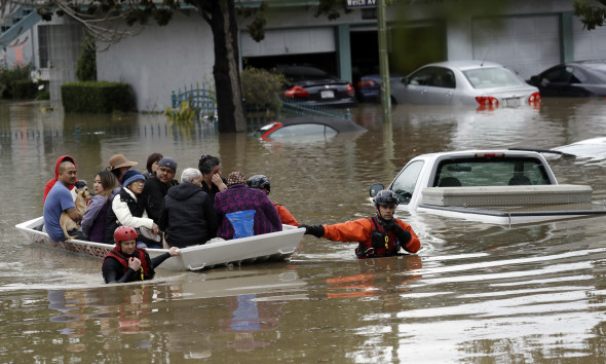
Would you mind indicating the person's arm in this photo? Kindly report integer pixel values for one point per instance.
(219, 182)
(156, 261)
(126, 218)
(91, 213)
(350, 231)
(409, 241)
(111, 271)
(285, 215)
(74, 214)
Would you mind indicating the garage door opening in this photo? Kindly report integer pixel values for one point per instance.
(364, 53)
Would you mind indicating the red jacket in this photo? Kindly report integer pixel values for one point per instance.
(51, 183)
(360, 230)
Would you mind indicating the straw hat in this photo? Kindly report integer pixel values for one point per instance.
(119, 161)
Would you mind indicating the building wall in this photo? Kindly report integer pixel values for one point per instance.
(161, 59)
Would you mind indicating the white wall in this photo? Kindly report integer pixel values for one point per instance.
(161, 59)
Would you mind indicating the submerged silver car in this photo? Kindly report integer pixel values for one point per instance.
(484, 84)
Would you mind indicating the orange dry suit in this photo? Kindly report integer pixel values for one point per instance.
(285, 215)
(374, 240)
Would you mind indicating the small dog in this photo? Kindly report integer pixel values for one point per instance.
(67, 224)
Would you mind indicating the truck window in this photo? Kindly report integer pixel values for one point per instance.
(499, 171)
(405, 182)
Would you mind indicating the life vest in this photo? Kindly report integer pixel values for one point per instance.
(146, 271)
(379, 243)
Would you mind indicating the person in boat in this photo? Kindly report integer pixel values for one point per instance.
(152, 164)
(127, 209)
(212, 182)
(157, 186)
(379, 236)
(119, 165)
(261, 182)
(93, 224)
(60, 199)
(243, 211)
(127, 263)
(187, 216)
(51, 183)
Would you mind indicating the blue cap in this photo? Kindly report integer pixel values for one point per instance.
(131, 176)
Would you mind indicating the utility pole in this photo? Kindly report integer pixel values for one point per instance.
(384, 63)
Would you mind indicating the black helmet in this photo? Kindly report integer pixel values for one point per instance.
(259, 181)
(386, 197)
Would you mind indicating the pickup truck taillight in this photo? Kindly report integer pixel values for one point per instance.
(487, 101)
(296, 91)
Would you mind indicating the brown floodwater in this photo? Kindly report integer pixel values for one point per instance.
(475, 293)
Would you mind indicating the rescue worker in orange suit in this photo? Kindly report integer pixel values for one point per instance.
(261, 182)
(379, 236)
(127, 263)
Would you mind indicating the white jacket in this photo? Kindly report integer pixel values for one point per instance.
(125, 217)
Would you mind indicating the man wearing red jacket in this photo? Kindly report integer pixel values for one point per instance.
(379, 236)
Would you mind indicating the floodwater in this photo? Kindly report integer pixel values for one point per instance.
(475, 293)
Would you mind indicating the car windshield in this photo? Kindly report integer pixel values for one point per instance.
(481, 78)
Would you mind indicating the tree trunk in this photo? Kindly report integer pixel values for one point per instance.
(227, 76)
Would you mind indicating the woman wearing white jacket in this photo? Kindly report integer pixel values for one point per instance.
(126, 210)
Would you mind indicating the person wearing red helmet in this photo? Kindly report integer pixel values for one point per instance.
(379, 236)
(127, 263)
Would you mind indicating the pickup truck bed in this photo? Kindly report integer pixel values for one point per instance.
(491, 186)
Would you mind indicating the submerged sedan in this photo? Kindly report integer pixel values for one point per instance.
(306, 126)
(310, 86)
(573, 79)
(484, 84)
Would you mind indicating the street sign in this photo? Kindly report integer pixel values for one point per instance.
(361, 4)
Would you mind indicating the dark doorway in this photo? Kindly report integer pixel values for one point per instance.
(364, 53)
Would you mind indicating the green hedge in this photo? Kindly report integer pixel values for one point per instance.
(97, 97)
(24, 89)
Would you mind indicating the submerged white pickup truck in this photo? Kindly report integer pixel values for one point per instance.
(493, 186)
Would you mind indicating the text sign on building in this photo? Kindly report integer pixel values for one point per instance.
(361, 3)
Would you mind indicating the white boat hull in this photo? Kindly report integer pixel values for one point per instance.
(260, 248)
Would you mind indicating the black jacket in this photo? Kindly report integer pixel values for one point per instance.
(187, 216)
(152, 196)
(111, 222)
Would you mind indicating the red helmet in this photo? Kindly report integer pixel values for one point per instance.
(125, 233)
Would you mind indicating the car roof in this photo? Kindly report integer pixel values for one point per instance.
(340, 125)
(464, 65)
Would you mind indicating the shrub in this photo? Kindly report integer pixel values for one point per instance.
(97, 97)
(8, 78)
(262, 89)
(43, 95)
(24, 89)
